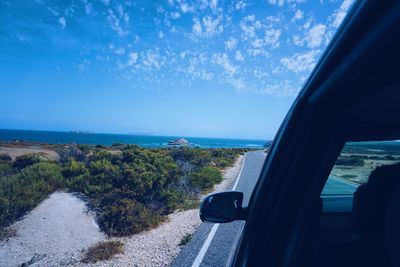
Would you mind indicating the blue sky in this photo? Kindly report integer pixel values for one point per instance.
(207, 68)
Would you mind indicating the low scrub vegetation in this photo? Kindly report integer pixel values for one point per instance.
(352, 160)
(131, 188)
(185, 239)
(103, 250)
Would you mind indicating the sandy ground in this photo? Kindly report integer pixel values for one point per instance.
(55, 231)
(58, 231)
(14, 152)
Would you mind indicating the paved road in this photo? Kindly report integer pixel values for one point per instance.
(212, 244)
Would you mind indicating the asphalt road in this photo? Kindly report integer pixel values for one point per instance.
(212, 244)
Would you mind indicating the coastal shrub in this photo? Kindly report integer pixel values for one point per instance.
(125, 216)
(21, 192)
(5, 158)
(130, 188)
(73, 168)
(205, 178)
(76, 152)
(195, 157)
(5, 169)
(349, 161)
(27, 160)
(223, 162)
(103, 250)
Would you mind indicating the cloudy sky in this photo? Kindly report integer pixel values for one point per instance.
(178, 67)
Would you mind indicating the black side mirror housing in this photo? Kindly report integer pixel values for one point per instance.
(223, 207)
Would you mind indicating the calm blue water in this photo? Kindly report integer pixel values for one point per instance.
(109, 139)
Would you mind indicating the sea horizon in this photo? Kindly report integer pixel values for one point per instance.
(144, 140)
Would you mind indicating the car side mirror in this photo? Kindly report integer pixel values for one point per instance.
(222, 207)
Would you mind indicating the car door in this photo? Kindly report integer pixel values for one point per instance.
(357, 71)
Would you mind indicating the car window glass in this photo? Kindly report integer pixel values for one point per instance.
(356, 162)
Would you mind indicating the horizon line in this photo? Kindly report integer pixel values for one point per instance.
(133, 134)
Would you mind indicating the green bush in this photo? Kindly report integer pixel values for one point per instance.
(73, 168)
(5, 169)
(27, 160)
(223, 162)
(5, 158)
(21, 192)
(205, 178)
(125, 216)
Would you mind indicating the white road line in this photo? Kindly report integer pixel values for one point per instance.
(240, 173)
(199, 258)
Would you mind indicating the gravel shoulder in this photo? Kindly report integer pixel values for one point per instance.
(60, 228)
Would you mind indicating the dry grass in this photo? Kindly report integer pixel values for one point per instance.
(7, 233)
(103, 250)
(185, 239)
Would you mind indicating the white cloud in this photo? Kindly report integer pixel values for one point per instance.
(160, 34)
(84, 65)
(238, 83)
(212, 26)
(298, 15)
(341, 12)
(115, 23)
(152, 60)
(88, 9)
(259, 73)
(207, 27)
(300, 62)
(133, 57)
(272, 37)
(214, 4)
(239, 56)
(276, 2)
(223, 61)
(315, 35)
(297, 40)
(249, 26)
(282, 2)
(175, 15)
(185, 8)
(197, 30)
(240, 5)
(231, 43)
(62, 22)
(281, 89)
(273, 19)
(117, 50)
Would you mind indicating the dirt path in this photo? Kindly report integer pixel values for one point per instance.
(54, 232)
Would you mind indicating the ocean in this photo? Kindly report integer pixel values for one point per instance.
(52, 137)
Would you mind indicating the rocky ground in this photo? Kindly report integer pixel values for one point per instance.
(57, 232)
